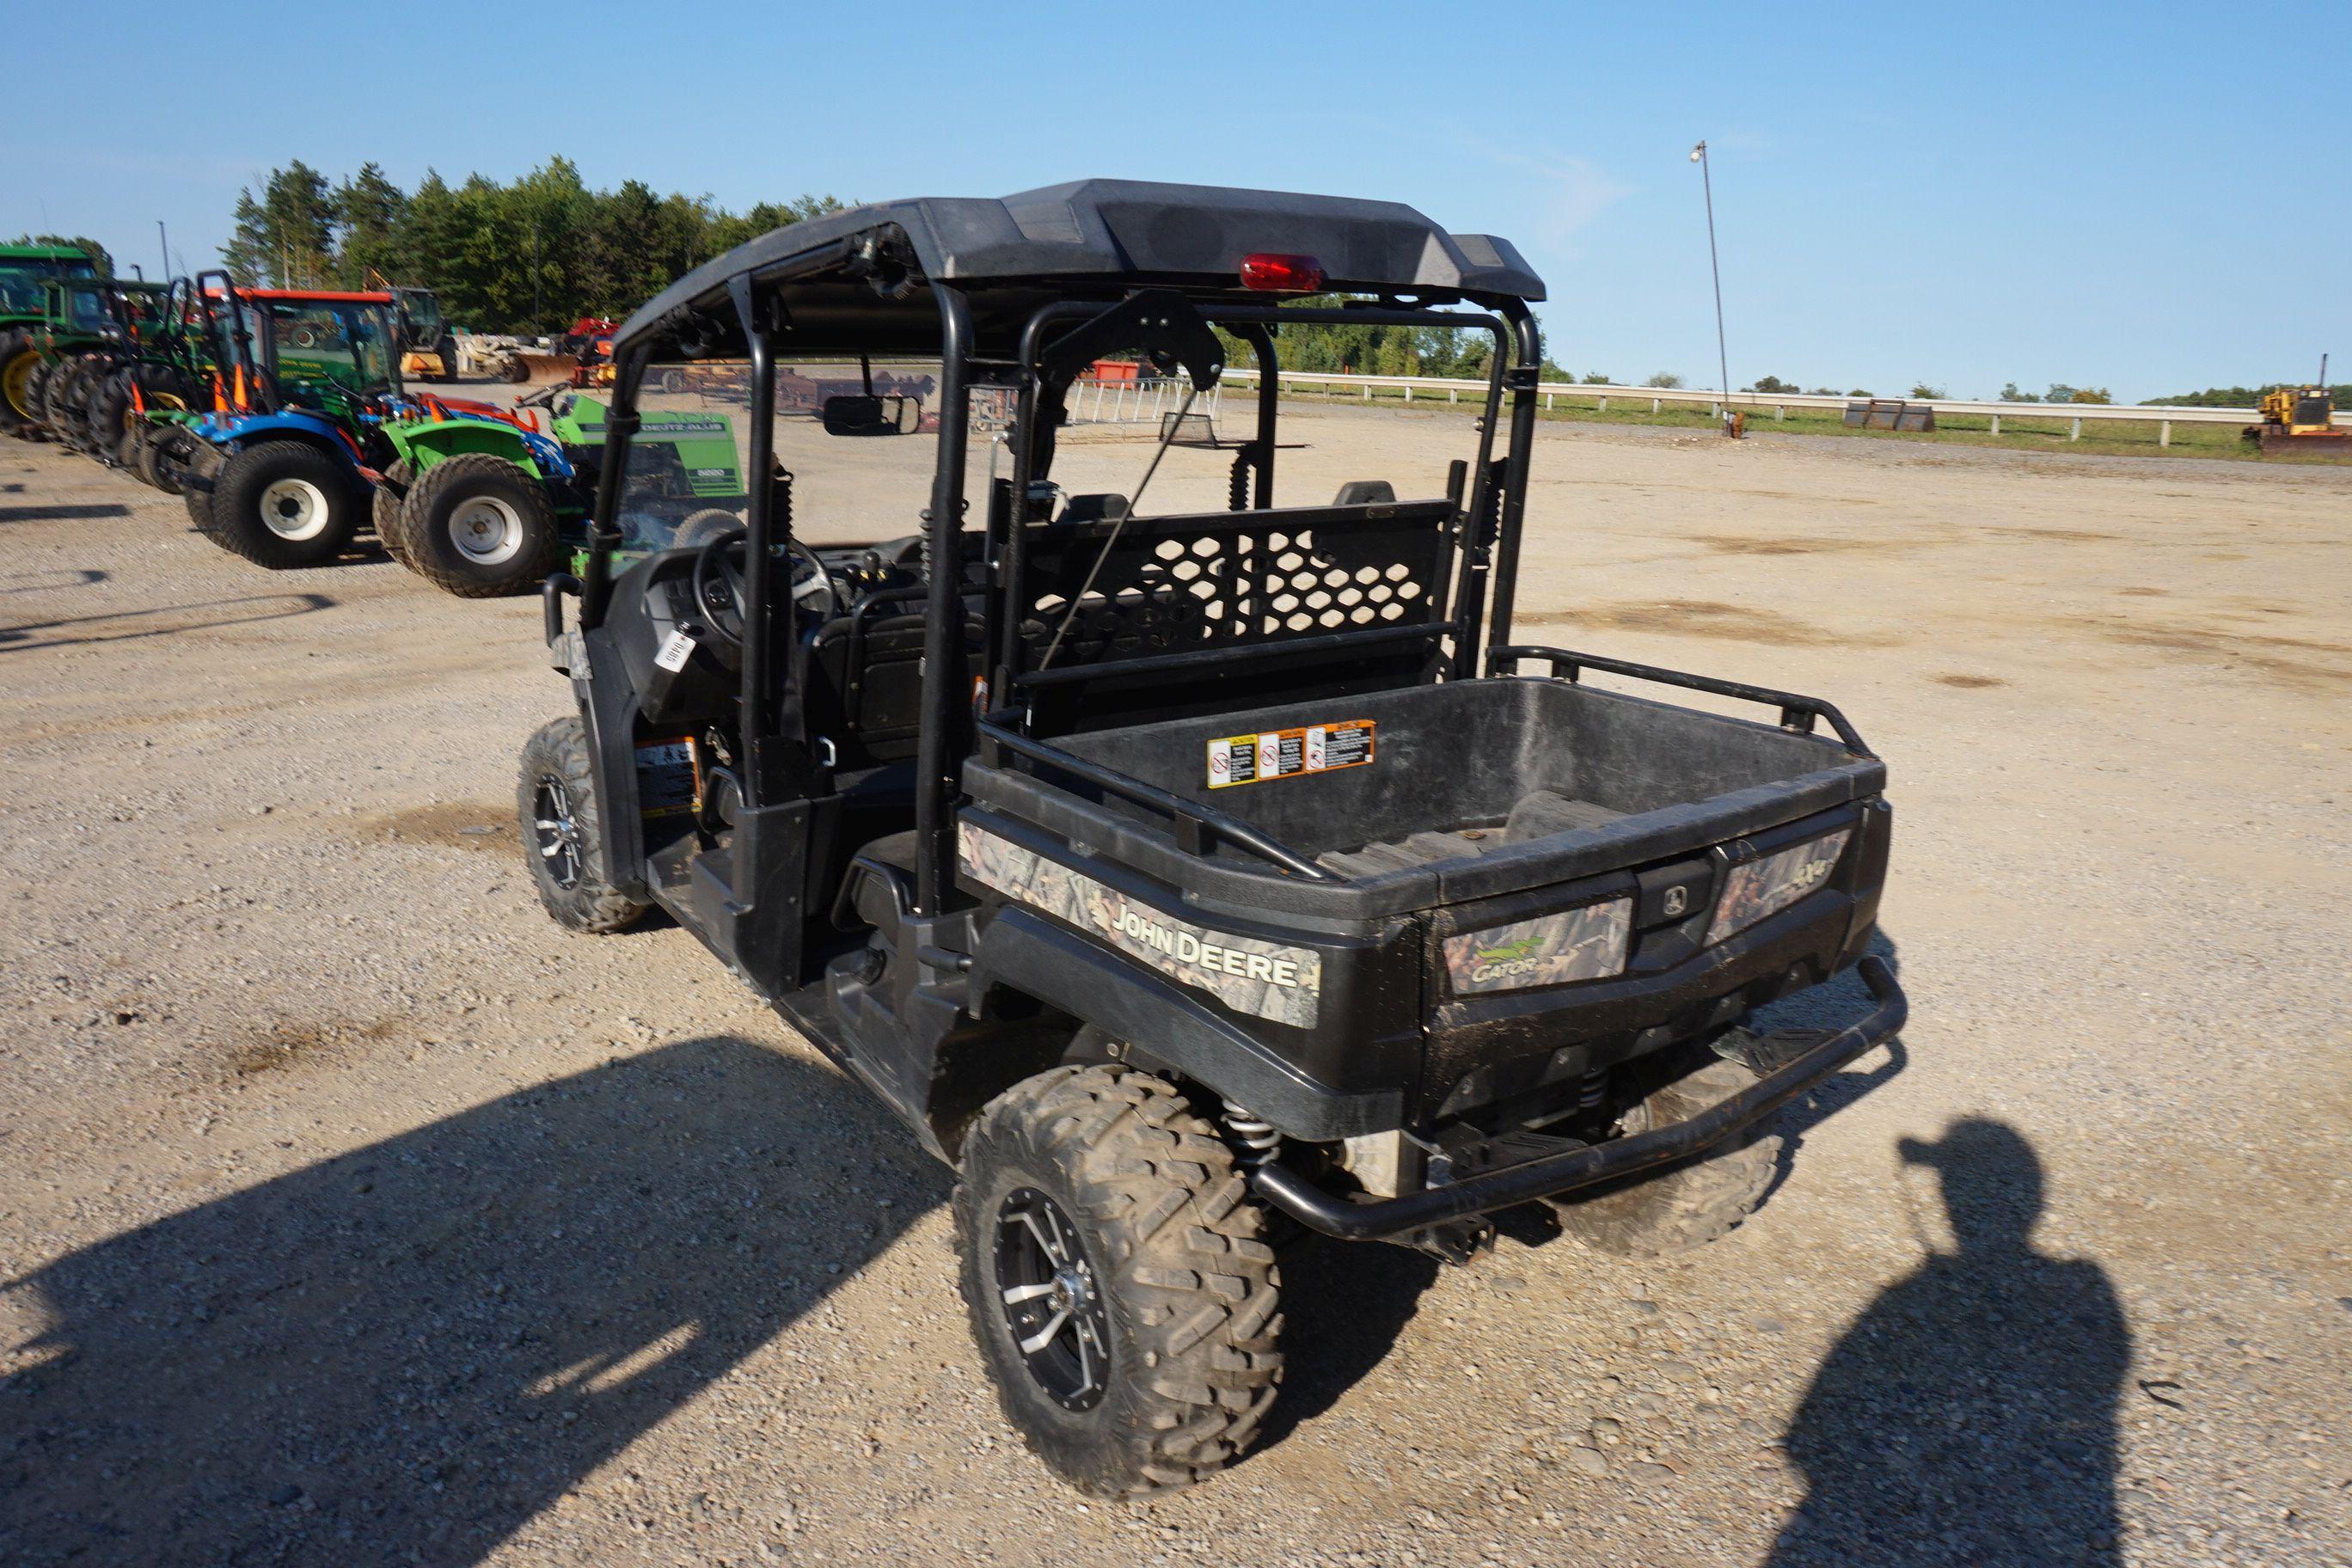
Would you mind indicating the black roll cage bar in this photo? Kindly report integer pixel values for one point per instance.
(1487, 525)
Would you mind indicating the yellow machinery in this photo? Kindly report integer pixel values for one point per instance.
(2295, 417)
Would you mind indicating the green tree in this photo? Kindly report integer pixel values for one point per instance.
(288, 235)
(369, 213)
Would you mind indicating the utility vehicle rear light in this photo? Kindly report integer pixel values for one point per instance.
(1275, 273)
(1766, 886)
(1585, 943)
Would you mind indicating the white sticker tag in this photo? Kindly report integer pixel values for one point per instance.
(674, 652)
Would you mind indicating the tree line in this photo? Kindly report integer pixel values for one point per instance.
(528, 256)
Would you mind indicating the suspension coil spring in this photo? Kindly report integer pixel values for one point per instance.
(1596, 1084)
(1260, 1143)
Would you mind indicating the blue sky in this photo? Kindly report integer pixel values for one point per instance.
(2118, 196)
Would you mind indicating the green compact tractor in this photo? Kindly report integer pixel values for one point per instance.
(480, 501)
(25, 273)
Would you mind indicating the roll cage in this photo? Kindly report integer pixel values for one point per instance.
(241, 324)
(1023, 295)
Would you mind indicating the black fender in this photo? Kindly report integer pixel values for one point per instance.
(1026, 952)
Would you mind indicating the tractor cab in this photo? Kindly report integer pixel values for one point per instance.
(335, 352)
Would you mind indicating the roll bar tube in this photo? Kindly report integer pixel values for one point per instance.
(946, 706)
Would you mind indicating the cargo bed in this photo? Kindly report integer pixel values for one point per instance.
(1468, 790)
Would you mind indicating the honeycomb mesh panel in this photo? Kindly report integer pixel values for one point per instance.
(1217, 579)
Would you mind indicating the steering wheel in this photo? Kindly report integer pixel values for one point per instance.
(720, 594)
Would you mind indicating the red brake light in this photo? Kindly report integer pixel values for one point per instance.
(1278, 274)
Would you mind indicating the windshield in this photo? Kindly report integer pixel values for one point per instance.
(84, 308)
(321, 345)
(693, 447)
(21, 277)
(420, 309)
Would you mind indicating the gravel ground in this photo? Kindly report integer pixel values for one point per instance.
(350, 1213)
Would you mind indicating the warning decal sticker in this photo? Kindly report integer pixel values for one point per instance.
(1288, 753)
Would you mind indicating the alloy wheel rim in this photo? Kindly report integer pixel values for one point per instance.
(1051, 1303)
(486, 531)
(14, 382)
(556, 832)
(294, 509)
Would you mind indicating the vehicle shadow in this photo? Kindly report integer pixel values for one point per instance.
(71, 577)
(401, 1355)
(54, 513)
(1969, 1416)
(169, 620)
(1344, 1303)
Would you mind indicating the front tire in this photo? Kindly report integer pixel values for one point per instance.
(283, 505)
(477, 526)
(560, 815)
(1118, 1281)
(1692, 1204)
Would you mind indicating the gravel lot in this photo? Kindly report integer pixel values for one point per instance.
(351, 1213)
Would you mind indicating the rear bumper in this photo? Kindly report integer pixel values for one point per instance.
(1388, 1218)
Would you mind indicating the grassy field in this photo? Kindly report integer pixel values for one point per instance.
(2028, 434)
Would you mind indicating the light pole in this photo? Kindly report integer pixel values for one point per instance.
(1722, 359)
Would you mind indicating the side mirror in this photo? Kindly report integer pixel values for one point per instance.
(854, 413)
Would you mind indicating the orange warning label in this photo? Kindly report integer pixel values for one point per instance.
(1286, 753)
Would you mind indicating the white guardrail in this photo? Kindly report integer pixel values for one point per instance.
(2161, 416)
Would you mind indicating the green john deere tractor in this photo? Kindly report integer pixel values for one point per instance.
(483, 501)
(25, 272)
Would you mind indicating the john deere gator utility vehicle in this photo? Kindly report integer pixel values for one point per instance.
(1170, 868)
(25, 272)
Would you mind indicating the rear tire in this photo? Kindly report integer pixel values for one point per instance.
(284, 505)
(1102, 1224)
(477, 526)
(558, 787)
(1692, 1204)
(36, 398)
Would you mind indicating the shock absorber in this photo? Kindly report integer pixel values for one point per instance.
(1595, 1086)
(1258, 1140)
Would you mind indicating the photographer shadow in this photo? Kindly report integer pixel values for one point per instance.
(1969, 1416)
(401, 1355)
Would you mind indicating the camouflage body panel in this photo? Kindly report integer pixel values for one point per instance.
(1585, 943)
(1261, 979)
(1766, 886)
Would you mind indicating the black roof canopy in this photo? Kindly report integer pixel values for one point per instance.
(834, 272)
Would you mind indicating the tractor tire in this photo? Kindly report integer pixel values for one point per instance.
(385, 510)
(447, 353)
(36, 396)
(66, 403)
(159, 462)
(558, 789)
(1689, 1204)
(477, 526)
(52, 400)
(110, 406)
(19, 412)
(1102, 1225)
(282, 505)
